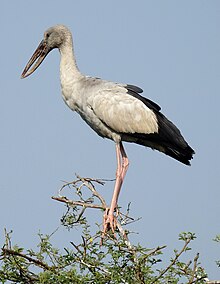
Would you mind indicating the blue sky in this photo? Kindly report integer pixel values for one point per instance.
(168, 48)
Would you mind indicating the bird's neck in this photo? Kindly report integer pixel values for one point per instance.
(69, 71)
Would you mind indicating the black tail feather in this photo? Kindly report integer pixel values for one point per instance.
(172, 140)
(183, 155)
(168, 140)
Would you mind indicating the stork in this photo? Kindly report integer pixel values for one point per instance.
(113, 110)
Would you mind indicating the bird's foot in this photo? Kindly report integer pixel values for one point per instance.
(109, 223)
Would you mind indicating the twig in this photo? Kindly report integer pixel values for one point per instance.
(173, 261)
(90, 180)
(126, 239)
(90, 186)
(194, 269)
(187, 267)
(77, 203)
(91, 267)
(154, 251)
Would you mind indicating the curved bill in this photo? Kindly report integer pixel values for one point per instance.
(38, 56)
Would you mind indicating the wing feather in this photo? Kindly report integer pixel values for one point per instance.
(122, 112)
(135, 91)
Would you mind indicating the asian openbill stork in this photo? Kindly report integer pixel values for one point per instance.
(113, 110)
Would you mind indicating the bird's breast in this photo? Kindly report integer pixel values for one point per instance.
(96, 124)
(76, 101)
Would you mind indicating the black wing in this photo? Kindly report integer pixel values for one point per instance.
(135, 91)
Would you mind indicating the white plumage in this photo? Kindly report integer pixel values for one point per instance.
(115, 111)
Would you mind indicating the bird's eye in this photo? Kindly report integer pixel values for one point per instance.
(47, 35)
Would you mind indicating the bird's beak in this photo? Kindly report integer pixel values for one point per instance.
(38, 56)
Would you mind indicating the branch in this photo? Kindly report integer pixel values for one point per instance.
(88, 183)
(154, 251)
(194, 269)
(30, 259)
(91, 267)
(173, 261)
(77, 203)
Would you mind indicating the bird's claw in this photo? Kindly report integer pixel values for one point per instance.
(109, 223)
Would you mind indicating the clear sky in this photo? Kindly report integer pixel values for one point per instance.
(171, 49)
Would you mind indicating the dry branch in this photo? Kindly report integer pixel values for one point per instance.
(99, 203)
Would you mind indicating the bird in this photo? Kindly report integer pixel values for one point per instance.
(115, 111)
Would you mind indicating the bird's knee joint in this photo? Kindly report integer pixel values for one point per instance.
(126, 163)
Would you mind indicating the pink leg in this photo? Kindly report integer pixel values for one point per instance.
(122, 166)
(125, 162)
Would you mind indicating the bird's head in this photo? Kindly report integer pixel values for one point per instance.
(54, 37)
